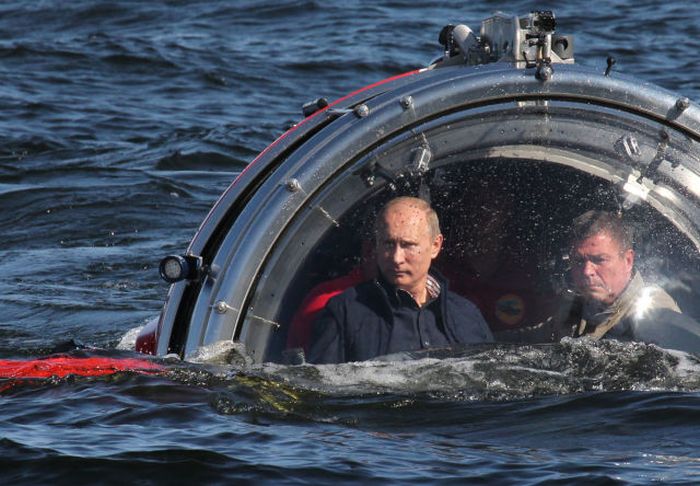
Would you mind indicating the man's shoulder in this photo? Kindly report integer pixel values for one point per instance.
(456, 300)
(442, 284)
(639, 293)
(465, 321)
(360, 292)
(660, 299)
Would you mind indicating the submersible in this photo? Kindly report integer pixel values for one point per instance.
(505, 122)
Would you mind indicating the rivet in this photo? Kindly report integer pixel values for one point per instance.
(406, 102)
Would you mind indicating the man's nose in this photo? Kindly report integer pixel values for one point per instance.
(589, 268)
(397, 254)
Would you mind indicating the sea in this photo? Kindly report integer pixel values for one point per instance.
(123, 121)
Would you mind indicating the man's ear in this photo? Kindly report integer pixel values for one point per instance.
(629, 258)
(437, 246)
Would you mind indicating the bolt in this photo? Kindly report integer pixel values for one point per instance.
(221, 307)
(544, 72)
(682, 104)
(293, 185)
(361, 111)
(610, 62)
(406, 102)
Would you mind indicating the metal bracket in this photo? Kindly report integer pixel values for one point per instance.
(373, 170)
(360, 111)
(422, 155)
(221, 307)
(337, 112)
(650, 171)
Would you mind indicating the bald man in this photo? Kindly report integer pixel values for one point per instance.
(408, 306)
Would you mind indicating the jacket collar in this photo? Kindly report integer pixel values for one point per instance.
(598, 323)
(623, 300)
(435, 285)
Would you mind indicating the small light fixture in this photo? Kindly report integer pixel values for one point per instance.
(174, 268)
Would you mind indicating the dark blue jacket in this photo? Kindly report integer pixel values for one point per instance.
(373, 319)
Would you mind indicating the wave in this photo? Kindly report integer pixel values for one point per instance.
(507, 372)
(200, 160)
(497, 372)
(493, 373)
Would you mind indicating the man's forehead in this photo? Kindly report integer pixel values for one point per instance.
(403, 214)
(598, 243)
(405, 207)
(403, 224)
(404, 231)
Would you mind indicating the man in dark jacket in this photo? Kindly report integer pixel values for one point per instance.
(407, 307)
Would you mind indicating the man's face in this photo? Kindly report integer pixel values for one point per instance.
(600, 268)
(405, 247)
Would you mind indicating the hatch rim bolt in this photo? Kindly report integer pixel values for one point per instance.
(361, 111)
(293, 185)
(544, 72)
(221, 307)
(610, 61)
(682, 103)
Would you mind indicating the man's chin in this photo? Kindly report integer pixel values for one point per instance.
(596, 294)
(400, 280)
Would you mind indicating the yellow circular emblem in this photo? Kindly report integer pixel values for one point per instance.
(510, 309)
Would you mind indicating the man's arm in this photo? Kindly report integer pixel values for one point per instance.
(328, 340)
(470, 326)
(668, 329)
(480, 324)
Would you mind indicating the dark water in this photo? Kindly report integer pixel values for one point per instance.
(122, 123)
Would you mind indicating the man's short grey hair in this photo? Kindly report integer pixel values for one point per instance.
(595, 221)
(422, 204)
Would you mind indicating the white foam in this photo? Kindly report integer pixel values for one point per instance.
(688, 365)
(128, 340)
(221, 352)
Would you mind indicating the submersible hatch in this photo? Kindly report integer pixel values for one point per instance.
(506, 136)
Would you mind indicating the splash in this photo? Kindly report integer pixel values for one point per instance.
(506, 372)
